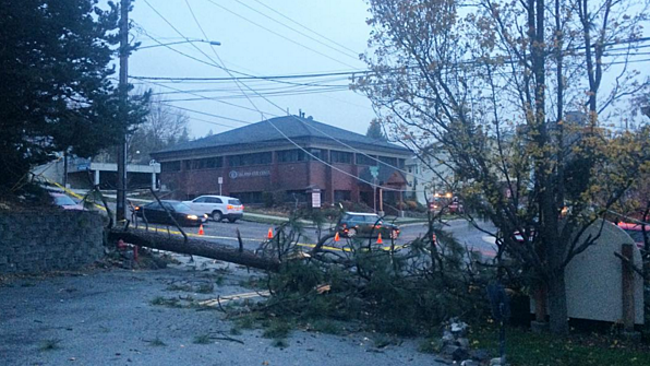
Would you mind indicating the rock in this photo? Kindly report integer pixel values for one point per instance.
(463, 343)
(455, 352)
(479, 355)
(495, 361)
(458, 327)
(447, 337)
(469, 363)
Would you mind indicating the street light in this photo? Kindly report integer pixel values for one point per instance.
(213, 43)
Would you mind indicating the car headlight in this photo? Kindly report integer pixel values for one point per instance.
(192, 217)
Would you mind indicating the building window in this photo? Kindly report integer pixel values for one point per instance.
(170, 166)
(366, 160)
(392, 162)
(342, 196)
(289, 156)
(206, 163)
(341, 157)
(318, 154)
(263, 158)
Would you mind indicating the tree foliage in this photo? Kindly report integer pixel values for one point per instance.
(514, 94)
(56, 93)
(375, 131)
(161, 128)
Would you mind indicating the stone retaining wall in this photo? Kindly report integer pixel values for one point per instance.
(38, 242)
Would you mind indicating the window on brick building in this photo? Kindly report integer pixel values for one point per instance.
(170, 166)
(205, 163)
(318, 154)
(263, 158)
(340, 195)
(288, 156)
(388, 161)
(341, 157)
(366, 160)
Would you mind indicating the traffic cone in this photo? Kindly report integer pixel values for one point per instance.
(201, 232)
(270, 234)
(337, 237)
(379, 241)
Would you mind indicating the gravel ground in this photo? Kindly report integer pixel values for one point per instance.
(106, 317)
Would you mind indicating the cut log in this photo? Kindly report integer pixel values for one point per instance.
(202, 248)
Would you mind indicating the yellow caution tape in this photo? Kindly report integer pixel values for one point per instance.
(73, 194)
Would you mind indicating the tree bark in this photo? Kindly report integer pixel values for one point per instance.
(557, 303)
(198, 247)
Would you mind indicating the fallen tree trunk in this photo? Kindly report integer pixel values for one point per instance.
(203, 248)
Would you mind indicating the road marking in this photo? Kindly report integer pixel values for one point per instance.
(307, 245)
(176, 232)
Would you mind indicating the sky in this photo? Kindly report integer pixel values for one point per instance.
(248, 48)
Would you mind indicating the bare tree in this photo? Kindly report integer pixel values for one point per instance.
(163, 127)
(512, 93)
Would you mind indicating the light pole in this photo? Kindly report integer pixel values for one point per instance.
(213, 43)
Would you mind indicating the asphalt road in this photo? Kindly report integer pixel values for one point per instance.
(253, 234)
(116, 317)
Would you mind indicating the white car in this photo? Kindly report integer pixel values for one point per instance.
(218, 207)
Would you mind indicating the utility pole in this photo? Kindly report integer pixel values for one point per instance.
(123, 89)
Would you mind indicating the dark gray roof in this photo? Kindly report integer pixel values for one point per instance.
(294, 127)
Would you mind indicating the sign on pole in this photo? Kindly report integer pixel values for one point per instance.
(374, 171)
(315, 199)
(220, 180)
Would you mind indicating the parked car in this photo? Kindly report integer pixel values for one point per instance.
(353, 224)
(636, 232)
(456, 207)
(65, 202)
(155, 213)
(218, 207)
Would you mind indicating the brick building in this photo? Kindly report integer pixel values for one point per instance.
(257, 158)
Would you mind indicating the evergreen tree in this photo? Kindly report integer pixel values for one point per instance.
(55, 93)
(375, 131)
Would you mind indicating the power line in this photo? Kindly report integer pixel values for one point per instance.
(278, 34)
(305, 27)
(212, 64)
(355, 57)
(372, 184)
(201, 96)
(186, 38)
(210, 115)
(252, 77)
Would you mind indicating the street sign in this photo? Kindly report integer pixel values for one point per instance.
(220, 180)
(315, 199)
(374, 171)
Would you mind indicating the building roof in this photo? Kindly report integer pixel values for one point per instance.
(294, 127)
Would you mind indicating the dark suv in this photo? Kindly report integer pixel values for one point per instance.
(354, 224)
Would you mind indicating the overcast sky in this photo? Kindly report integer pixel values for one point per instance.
(248, 48)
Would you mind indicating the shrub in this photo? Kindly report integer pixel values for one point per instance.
(267, 199)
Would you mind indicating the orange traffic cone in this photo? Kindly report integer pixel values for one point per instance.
(270, 234)
(337, 237)
(201, 232)
(379, 241)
